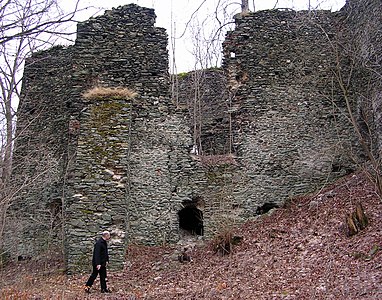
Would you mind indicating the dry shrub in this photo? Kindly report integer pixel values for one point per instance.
(224, 241)
(356, 221)
(103, 93)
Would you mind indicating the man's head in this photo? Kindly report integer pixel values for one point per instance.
(106, 235)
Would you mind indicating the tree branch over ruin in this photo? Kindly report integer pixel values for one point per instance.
(26, 26)
(345, 80)
(30, 19)
(191, 18)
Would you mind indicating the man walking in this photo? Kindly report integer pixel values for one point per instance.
(99, 262)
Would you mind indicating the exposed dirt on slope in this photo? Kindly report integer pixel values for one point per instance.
(300, 251)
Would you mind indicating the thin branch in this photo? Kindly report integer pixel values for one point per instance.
(190, 19)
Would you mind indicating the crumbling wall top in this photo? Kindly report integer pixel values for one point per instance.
(131, 15)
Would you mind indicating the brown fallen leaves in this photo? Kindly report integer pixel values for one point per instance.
(300, 251)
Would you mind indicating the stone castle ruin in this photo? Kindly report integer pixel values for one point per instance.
(275, 126)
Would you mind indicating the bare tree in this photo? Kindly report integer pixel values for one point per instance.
(22, 18)
(207, 33)
(26, 26)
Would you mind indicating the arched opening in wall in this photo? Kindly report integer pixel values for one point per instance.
(191, 218)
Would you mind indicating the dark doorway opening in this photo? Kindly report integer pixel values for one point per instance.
(265, 208)
(191, 219)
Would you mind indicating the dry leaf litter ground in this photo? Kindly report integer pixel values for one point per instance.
(300, 251)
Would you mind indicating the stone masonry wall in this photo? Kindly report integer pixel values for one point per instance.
(78, 141)
(290, 129)
(40, 156)
(125, 164)
(121, 48)
(203, 96)
(362, 33)
(96, 198)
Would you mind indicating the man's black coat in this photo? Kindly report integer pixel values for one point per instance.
(100, 254)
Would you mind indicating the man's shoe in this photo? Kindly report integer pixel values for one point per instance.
(105, 291)
(87, 289)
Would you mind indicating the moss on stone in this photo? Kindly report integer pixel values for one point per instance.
(183, 75)
(103, 116)
(218, 174)
(86, 211)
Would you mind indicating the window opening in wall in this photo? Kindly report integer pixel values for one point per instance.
(191, 219)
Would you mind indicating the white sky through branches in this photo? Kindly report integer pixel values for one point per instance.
(174, 15)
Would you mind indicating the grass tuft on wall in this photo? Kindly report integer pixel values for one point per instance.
(104, 93)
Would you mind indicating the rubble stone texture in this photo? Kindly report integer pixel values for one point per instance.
(362, 21)
(124, 164)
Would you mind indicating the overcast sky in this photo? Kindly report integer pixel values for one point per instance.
(175, 14)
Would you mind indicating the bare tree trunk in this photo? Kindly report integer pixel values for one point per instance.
(9, 84)
(244, 6)
(7, 163)
(26, 26)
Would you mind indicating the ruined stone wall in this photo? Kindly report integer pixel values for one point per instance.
(95, 199)
(89, 143)
(120, 48)
(290, 130)
(203, 96)
(362, 48)
(125, 164)
(40, 155)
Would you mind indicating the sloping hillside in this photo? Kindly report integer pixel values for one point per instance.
(300, 251)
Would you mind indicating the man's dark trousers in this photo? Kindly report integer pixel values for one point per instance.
(102, 276)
